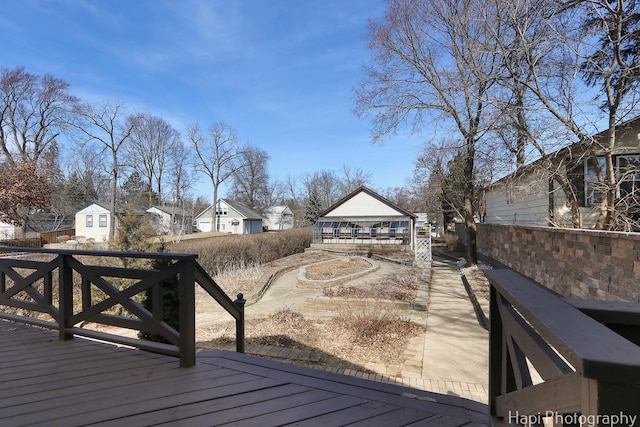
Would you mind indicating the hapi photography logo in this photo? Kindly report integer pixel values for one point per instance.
(620, 419)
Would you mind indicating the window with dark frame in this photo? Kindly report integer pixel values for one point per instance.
(509, 191)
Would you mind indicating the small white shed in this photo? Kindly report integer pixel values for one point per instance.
(94, 223)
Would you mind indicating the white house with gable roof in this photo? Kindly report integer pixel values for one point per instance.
(94, 223)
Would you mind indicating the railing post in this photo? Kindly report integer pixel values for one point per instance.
(187, 314)
(65, 297)
(240, 302)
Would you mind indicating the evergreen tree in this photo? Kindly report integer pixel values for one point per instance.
(136, 193)
(134, 234)
(78, 193)
(313, 208)
(170, 289)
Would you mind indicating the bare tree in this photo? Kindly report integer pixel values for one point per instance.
(550, 46)
(181, 177)
(426, 186)
(251, 182)
(105, 124)
(293, 196)
(217, 155)
(150, 151)
(430, 59)
(352, 178)
(614, 65)
(325, 186)
(33, 111)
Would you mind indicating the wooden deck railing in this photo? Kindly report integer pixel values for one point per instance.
(68, 291)
(586, 370)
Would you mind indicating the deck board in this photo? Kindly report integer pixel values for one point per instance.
(49, 382)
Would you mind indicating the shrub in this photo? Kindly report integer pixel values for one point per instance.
(170, 289)
(377, 322)
(215, 254)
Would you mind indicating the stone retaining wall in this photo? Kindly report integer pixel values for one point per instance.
(582, 263)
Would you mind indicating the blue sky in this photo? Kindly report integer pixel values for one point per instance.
(280, 72)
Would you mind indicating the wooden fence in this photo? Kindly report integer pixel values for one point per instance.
(35, 242)
(52, 236)
(65, 289)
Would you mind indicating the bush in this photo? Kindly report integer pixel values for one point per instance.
(170, 290)
(217, 253)
(374, 323)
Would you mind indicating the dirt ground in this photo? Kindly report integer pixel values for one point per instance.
(376, 334)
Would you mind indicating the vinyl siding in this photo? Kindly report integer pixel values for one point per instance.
(530, 202)
(363, 204)
(97, 233)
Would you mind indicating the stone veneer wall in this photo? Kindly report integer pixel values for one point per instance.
(580, 263)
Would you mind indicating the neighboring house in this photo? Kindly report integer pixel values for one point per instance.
(532, 197)
(364, 217)
(94, 223)
(172, 220)
(7, 231)
(233, 217)
(277, 218)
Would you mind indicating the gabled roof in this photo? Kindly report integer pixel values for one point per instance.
(94, 203)
(243, 210)
(171, 210)
(371, 193)
(572, 151)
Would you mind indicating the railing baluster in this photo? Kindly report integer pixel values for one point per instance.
(187, 313)
(65, 291)
(48, 288)
(240, 302)
(86, 294)
(157, 301)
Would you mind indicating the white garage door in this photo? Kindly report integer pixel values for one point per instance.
(204, 226)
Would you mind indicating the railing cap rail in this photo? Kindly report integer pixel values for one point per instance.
(590, 347)
(103, 253)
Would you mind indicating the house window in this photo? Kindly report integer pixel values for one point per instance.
(222, 211)
(509, 193)
(592, 187)
(102, 221)
(575, 175)
(89, 221)
(629, 176)
(221, 227)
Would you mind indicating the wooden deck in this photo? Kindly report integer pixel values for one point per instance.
(45, 381)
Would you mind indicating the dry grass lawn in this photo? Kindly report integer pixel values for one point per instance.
(373, 334)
